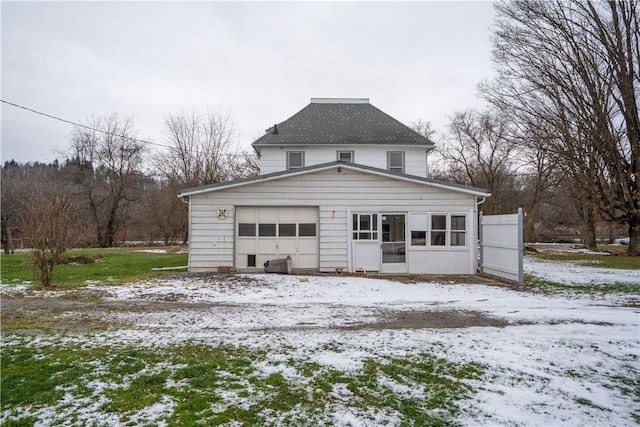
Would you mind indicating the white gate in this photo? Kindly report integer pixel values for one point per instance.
(501, 246)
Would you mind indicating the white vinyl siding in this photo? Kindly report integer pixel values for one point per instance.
(336, 195)
(274, 159)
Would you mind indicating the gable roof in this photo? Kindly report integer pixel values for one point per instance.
(324, 166)
(341, 121)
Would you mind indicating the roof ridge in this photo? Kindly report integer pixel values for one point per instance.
(340, 101)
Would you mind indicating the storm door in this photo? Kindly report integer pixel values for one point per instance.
(394, 243)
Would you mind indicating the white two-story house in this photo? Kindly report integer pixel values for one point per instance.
(342, 187)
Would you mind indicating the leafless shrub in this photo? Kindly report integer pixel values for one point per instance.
(47, 222)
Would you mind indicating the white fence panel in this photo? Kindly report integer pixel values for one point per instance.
(501, 246)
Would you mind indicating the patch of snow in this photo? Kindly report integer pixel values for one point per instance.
(562, 359)
(576, 274)
(153, 414)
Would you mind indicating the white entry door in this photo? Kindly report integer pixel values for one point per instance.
(394, 243)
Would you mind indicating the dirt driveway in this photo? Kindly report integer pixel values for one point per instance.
(92, 308)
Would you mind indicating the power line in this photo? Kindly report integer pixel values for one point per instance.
(81, 125)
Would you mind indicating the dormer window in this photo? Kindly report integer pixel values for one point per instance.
(345, 156)
(295, 159)
(395, 161)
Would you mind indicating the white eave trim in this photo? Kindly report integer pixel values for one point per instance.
(268, 178)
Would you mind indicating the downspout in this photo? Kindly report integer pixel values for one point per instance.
(478, 203)
(426, 155)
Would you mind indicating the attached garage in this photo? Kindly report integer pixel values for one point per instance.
(335, 217)
(267, 233)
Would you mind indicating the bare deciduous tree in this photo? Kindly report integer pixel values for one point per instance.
(201, 148)
(21, 183)
(105, 167)
(424, 128)
(11, 202)
(479, 153)
(574, 66)
(165, 213)
(243, 165)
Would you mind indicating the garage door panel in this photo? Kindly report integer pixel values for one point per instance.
(242, 261)
(287, 246)
(278, 234)
(246, 246)
(249, 215)
(307, 215)
(268, 215)
(267, 245)
(308, 246)
(307, 261)
(287, 215)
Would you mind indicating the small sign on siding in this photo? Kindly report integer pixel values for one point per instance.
(222, 213)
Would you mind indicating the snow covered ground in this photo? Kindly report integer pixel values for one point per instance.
(562, 359)
(578, 274)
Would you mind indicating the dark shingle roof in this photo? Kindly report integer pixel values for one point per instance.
(341, 122)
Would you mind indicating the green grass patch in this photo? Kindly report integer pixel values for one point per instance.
(614, 249)
(116, 266)
(622, 262)
(196, 384)
(589, 289)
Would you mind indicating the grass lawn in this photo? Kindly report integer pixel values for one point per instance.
(615, 260)
(270, 352)
(195, 384)
(112, 265)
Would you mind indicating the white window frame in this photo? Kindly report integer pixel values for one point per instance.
(372, 231)
(448, 231)
(456, 230)
(444, 231)
(396, 168)
(351, 153)
(289, 166)
(419, 221)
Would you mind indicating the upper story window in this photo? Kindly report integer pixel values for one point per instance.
(345, 156)
(295, 159)
(395, 161)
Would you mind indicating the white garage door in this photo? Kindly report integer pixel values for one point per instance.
(264, 234)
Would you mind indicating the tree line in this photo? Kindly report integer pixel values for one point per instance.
(560, 137)
(111, 187)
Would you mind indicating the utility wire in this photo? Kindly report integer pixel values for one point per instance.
(81, 125)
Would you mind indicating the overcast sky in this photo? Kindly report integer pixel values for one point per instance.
(259, 62)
